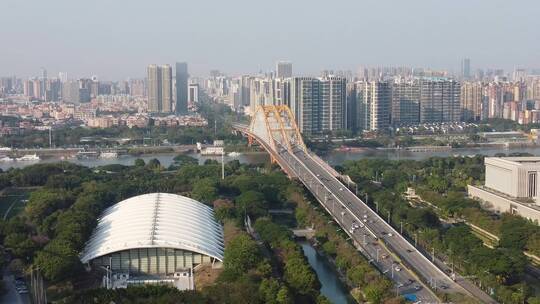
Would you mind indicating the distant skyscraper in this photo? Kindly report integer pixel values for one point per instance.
(71, 91)
(63, 76)
(466, 68)
(193, 93)
(28, 88)
(283, 69)
(166, 89)
(181, 87)
(159, 88)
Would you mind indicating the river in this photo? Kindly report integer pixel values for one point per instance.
(333, 158)
(165, 159)
(331, 286)
(339, 157)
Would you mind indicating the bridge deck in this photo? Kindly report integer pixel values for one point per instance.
(391, 253)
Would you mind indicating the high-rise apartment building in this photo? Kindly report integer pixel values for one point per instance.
(71, 91)
(37, 88)
(318, 104)
(54, 87)
(363, 106)
(352, 107)
(465, 68)
(160, 88)
(154, 94)
(193, 93)
(333, 106)
(494, 93)
(267, 91)
(439, 100)
(283, 69)
(405, 102)
(472, 97)
(181, 87)
(63, 76)
(137, 87)
(304, 103)
(28, 88)
(167, 89)
(379, 94)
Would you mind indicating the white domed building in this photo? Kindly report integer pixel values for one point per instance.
(155, 238)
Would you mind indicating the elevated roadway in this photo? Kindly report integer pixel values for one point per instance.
(385, 248)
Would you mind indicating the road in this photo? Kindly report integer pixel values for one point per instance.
(365, 238)
(12, 296)
(377, 237)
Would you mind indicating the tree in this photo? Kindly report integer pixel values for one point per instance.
(139, 162)
(223, 209)
(251, 202)
(241, 254)
(300, 276)
(423, 218)
(154, 163)
(515, 232)
(533, 300)
(374, 293)
(183, 159)
(20, 244)
(269, 289)
(284, 296)
(205, 190)
(58, 260)
(45, 201)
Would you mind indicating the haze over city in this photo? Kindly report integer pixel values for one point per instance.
(270, 152)
(117, 39)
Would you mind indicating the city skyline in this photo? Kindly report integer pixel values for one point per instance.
(112, 43)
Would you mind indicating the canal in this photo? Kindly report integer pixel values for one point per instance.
(331, 286)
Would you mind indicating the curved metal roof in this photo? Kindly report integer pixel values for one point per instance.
(156, 220)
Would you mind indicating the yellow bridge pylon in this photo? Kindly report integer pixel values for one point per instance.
(275, 124)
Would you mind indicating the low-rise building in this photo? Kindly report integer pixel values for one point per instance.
(511, 186)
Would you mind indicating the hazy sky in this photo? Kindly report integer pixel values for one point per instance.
(116, 39)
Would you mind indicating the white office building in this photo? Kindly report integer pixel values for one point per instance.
(511, 185)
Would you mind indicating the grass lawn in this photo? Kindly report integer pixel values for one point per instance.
(15, 197)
